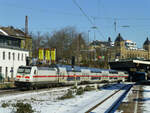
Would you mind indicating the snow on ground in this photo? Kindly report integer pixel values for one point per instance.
(146, 99)
(47, 101)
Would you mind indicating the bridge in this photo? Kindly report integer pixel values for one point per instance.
(132, 66)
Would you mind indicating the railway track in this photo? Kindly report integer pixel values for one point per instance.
(15, 91)
(107, 93)
(109, 103)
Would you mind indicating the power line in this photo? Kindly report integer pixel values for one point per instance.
(113, 18)
(83, 12)
(88, 18)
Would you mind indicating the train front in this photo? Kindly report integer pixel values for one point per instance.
(23, 77)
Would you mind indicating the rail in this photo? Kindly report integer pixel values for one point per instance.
(115, 104)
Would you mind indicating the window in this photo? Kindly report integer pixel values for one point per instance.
(3, 55)
(26, 70)
(22, 57)
(13, 56)
(9, 55)
(18, 56)
(34, 71)
(6, 72)
(12, 72)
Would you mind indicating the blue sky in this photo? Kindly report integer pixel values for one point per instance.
(50, 15)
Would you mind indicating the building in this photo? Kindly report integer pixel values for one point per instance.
(10, 36)
(124, 49)
(15, 47)
(10, 60)
(98, 49)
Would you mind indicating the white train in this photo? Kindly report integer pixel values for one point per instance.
(34, 76)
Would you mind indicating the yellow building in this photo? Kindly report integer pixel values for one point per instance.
(120, 51)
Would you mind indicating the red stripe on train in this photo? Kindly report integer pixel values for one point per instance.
(27, 77)
(43, 76)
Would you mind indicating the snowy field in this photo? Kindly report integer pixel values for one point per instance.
(47, 101)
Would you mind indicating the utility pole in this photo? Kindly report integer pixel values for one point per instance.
(94, 27)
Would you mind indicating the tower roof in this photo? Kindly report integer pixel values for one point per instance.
(147, 42)
(109, 39)
(119, 38)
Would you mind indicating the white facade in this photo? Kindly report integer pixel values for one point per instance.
(130, 45)
(10, 60)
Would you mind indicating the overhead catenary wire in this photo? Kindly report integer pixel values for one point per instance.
(88, 18)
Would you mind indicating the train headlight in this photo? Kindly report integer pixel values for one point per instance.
(27, 77)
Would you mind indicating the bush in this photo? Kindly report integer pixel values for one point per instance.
(104, 81)
(7, 86)
(89, 88)
(69, 94)
(80, 91)
(23, 108)
(74, 87)
(4, 105)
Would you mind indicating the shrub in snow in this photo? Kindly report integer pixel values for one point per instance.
(69, 94)
(4, 105)
(80, 91)
(89, 88)
(74, 87)
(23, 108)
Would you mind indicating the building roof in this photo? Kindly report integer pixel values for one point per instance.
(119, 38)
(11, 31)
(147, 42)
(105, 43)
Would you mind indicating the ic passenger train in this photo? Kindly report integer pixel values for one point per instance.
(35, 76)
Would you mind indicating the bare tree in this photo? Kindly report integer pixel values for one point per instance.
(37, 42)
(66, 41)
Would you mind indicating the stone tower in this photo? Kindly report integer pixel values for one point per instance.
(146, 45)
(119, 47)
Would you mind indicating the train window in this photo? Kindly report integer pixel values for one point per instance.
(94, 78)
(113, 72)
(70, 78)
(53, 69)
(96, 72)
(34, 71)
(26, 70)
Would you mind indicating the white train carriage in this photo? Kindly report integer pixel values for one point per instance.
(73, 75)
(33, 76)
(28, 76)
(113, 75)
(85, 78)
(95, 75)
(62, 75)
(104, 75)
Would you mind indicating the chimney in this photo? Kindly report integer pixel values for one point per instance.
(26, 26)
